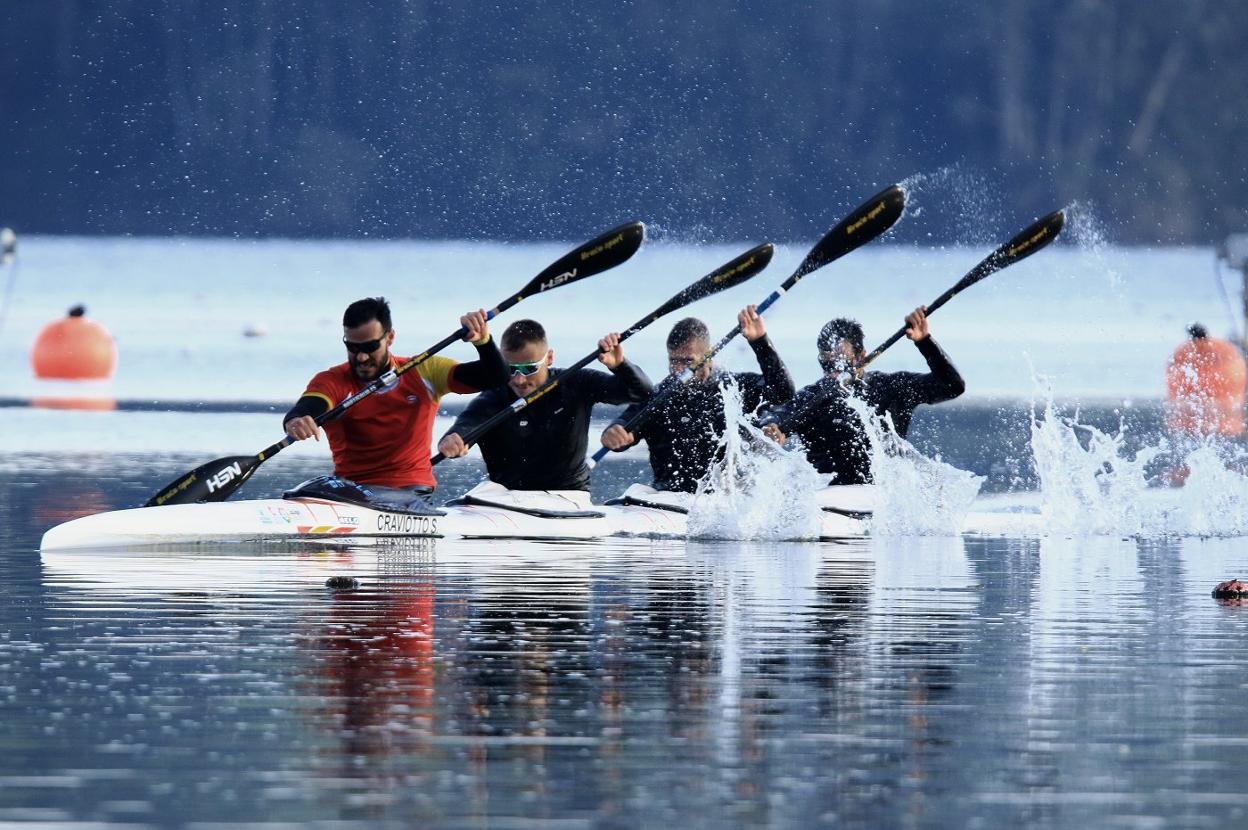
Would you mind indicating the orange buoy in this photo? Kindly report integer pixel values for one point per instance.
(74, 348)
(1205, 385)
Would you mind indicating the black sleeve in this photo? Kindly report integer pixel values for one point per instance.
(478, 411)
(778, 386)
(623, 420)
(626, 384)
(486, 372)
(631, 411)
(310, 405)
(628, 415)
(943, 383)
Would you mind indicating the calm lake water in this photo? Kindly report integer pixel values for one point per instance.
(908, 682)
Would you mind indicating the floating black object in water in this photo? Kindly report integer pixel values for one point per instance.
(1231, 589)
(342, 582)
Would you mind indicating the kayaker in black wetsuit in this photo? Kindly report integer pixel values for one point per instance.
(683, 429)
(543, 446)
(833, 434)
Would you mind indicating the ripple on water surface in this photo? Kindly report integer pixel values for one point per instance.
(626, 683)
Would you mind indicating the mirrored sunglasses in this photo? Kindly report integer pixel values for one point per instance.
(525, 369)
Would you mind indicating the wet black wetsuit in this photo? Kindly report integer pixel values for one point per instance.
(683, 429)
(835, 440)
(543, 446)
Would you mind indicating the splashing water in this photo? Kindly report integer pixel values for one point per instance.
(1087, 231)
(1090, 486)
(965, 198)
(1087, 487)
(917, 495)
(756, 490)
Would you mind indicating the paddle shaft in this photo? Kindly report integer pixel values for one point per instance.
(1031, 239)
(387, 378)
(901, 332)
(687, 374)
(544, 282)
(518, 404)
(216, 480)
(731, 274)
(867, 222)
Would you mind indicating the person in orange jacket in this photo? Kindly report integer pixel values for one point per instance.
(1206, 380)
(1205, 384)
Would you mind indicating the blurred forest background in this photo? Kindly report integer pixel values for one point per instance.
(522, 120)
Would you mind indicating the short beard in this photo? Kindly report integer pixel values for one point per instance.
(377, 365)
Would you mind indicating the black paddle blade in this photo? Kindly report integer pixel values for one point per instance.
(597, 255)
(1031, 239)
(872, 218)
(726, 276)
(1034, 237)
(214, 481)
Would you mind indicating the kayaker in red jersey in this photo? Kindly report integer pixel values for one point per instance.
(384, 440)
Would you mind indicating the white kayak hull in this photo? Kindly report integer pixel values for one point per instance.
(310, 519)
(494, 513)
(485, 512)
(313, 519)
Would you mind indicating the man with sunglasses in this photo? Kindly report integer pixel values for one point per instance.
(543, 446)
(682, 430)
(383, 441)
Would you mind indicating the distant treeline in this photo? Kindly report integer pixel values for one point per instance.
(710, 120)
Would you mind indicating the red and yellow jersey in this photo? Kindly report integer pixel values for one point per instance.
(385, 438)
(1205, 384)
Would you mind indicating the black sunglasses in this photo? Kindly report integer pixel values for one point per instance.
(368, 346)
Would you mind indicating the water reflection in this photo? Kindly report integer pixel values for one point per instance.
(881, 682)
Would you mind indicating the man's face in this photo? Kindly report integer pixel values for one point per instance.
(534, 358)
(683, 357)
(842, 358)
(368, 349)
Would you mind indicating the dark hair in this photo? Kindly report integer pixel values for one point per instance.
(521, 333)
(362, 311)
(1197, 331)
(842, 328)
(687, 331)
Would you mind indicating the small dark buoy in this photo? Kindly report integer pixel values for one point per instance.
(1231, 589)
(342, 582)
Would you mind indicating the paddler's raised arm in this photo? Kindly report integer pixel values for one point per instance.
(778, 385)
(627, 383)
(489, 369)
(945, 381)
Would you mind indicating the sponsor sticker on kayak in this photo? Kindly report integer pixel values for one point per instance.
(405, 523)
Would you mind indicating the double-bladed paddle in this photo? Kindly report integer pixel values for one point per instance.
(217, 480)
(726, 276)
(871, 219)
(1034, 237)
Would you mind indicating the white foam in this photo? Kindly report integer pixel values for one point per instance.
(756, 490)
(917, 495)
(1090, 485)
